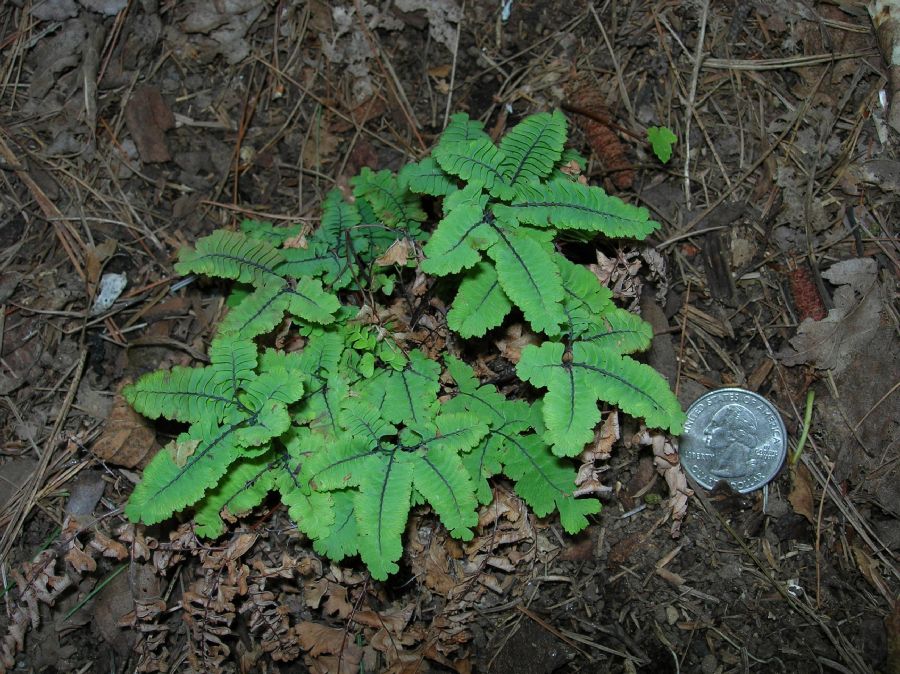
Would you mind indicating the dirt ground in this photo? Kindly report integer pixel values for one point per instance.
(129, 128)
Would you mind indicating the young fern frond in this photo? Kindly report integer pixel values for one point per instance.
(461, 128)
(395, 207)
(460, 236)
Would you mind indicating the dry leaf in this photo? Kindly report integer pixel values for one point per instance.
(665, 458)
(127, 437)
(439, 71)
(392, 621)
(801, 496)
(398, 253)
(832, 342)
(516, 338)
(318, 639)
(868, 567)
(148, 117)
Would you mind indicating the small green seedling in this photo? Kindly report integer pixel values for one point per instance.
(661, 140)
(362, 423)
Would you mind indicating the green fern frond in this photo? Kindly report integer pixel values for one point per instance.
(546, 482)
(478, 162)
(408, 395)
(274, 235)
(341, 538)
(439, 475)
(321, 408)
(365, 422)
(458, 432)
(313, 511)
(168, 487)
(573, 388)
(462, 128)
(455, 243)
(338, 218)
(234, 360)
(258, 313)
(480, 302)
(570, 406)
(316, 260)
(618, 330)
(395, 206)
(244, 486)
(426, 177)
(322, 354)
(382, 508)
(533, 147)
(529, 277)
(231, 255)
(340, 464)
(565, 204)
(309, 301)
(183, 394)
(636, 388)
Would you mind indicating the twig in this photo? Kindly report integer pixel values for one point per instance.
(620, 81)
(25, 504)
(453, 64)
(689, 105)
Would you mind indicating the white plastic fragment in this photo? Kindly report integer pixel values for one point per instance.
(506, 10)
(111, 286)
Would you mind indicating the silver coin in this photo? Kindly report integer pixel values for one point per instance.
(733, 435)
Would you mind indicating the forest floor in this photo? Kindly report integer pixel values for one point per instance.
(130, 128)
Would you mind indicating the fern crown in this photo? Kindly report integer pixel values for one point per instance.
(357, 422)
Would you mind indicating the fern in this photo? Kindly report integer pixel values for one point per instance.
(364, 423)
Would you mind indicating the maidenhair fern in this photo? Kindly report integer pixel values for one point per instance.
(362, 423)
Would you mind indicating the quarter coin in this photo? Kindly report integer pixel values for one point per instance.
(733, 435)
